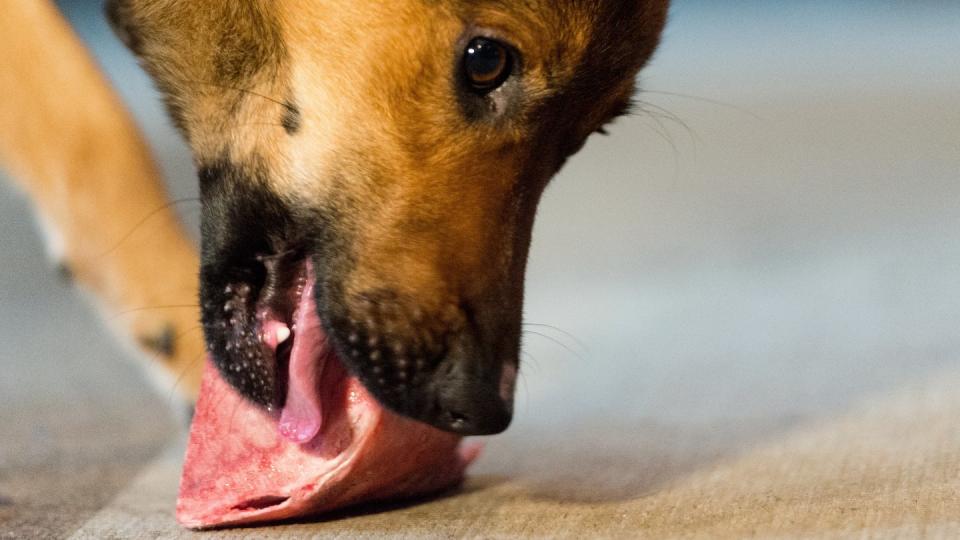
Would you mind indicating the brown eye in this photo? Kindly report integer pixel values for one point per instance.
(486, 64)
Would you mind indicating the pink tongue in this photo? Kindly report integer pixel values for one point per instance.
(302, 415)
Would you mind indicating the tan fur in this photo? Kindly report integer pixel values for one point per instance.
(440, 207)
(440, 221)
(433, 190)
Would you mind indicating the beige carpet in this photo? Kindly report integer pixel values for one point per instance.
(888, 468)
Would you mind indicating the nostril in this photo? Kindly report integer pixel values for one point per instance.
(472, 413)
(457, 420)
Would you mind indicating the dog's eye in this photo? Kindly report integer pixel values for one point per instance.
(487, 64)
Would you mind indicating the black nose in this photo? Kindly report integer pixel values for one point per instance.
(469, 403)
(472, 415)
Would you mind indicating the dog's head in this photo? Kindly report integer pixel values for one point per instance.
(402, 148)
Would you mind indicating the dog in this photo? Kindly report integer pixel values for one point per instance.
(394, 153)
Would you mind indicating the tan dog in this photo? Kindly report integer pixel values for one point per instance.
(394, 152)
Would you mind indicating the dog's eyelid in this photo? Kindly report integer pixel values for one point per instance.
(493, 33)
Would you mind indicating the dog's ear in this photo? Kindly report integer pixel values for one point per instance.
(119, 15)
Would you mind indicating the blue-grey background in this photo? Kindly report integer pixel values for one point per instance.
(774, 237)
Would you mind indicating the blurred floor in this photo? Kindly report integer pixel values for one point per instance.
(726, 280)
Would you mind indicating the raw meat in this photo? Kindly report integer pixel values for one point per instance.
(240, 469)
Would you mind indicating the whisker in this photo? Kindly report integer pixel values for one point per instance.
(521, 375)
(664, 134)
(155, 357)
(146, 218)
(662, 112)
(557, 342)
(282, 103)
(151, 308)
(661, 129)
(575, 339)
(656, 112)
(183, 373)
(530, 358)
(731, 106)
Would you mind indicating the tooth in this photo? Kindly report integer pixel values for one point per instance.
(283, 334)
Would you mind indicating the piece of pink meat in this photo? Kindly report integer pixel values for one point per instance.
(239, 469)
(333, 445)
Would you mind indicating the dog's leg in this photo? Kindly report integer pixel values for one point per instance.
(70, 144)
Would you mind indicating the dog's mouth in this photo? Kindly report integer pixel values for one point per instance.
(302, 345)
(281, 335)
(323, 442)
(275, 349)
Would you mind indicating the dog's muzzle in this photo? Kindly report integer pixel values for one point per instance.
(274, 334)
